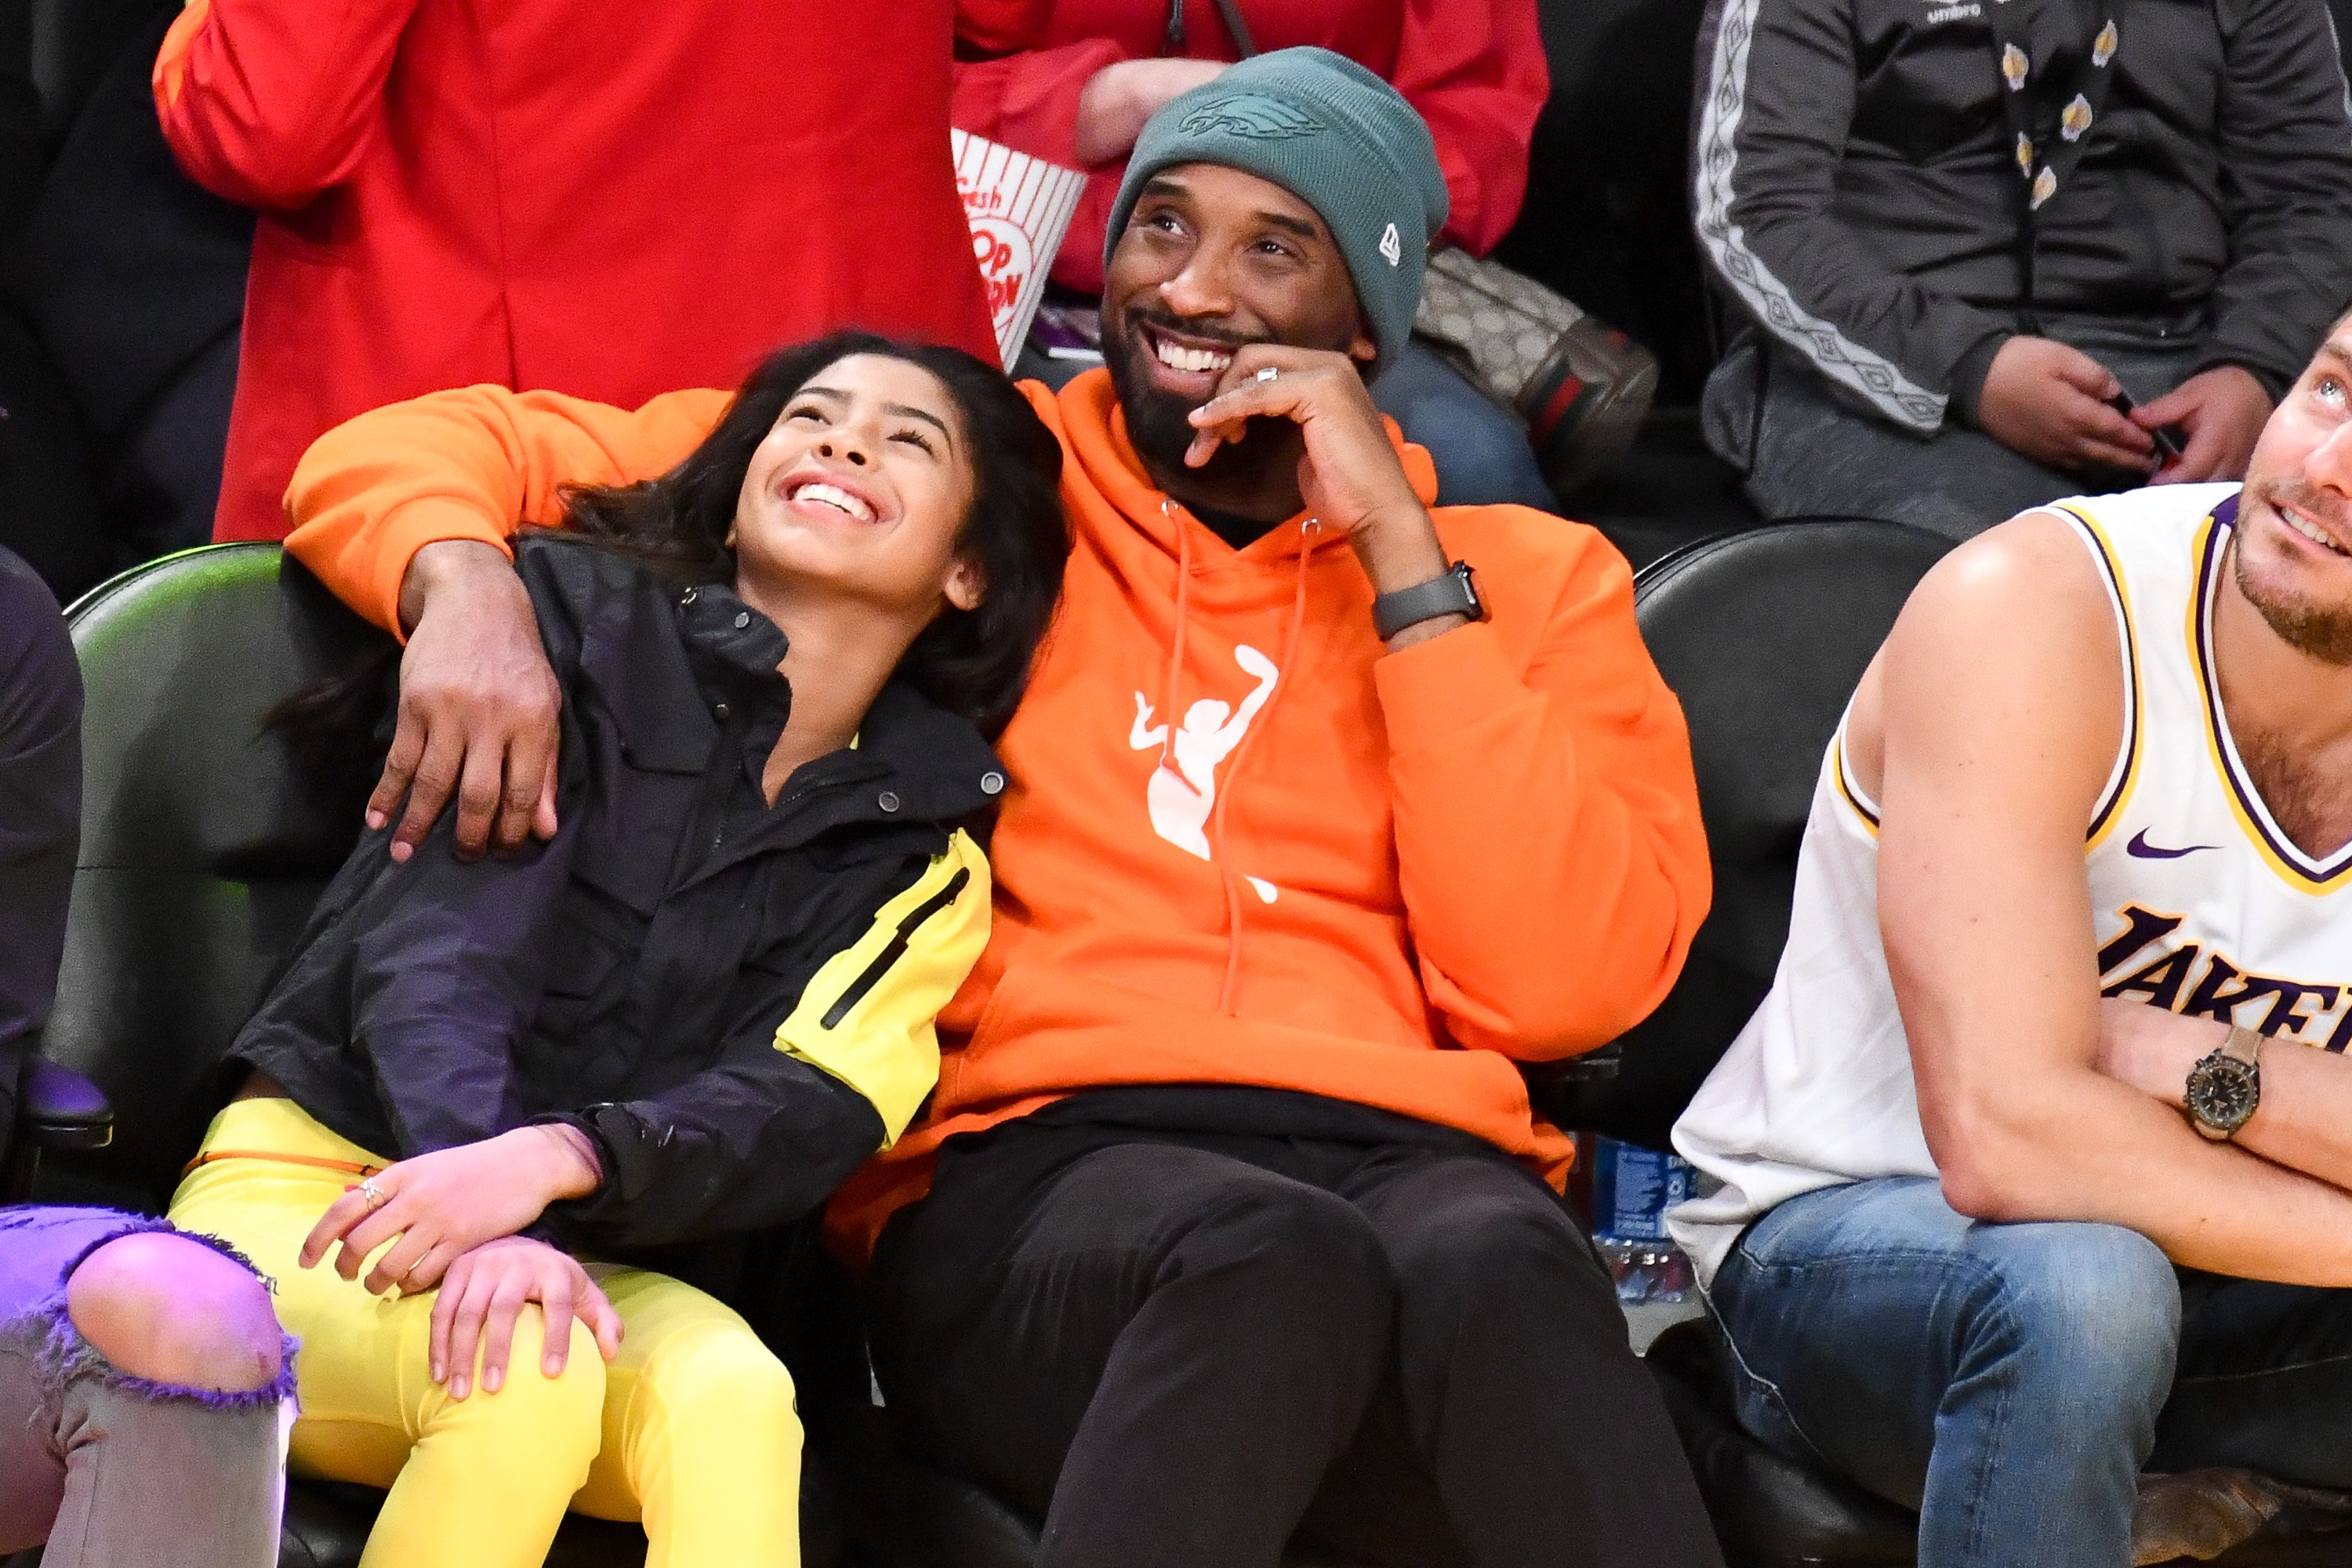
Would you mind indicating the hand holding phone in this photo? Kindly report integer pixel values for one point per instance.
(2167, 437)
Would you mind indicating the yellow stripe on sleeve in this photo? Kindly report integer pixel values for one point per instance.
(867, 1017)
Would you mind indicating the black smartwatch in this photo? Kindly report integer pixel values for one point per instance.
(1454, 594)
(2225, 1087)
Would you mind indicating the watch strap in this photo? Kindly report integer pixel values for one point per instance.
(1448, 594)
(2243, 1045)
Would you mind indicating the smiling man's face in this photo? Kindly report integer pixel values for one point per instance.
(2294, 543)
(1214, 258)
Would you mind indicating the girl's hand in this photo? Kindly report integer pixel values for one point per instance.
(484, 1289)
(449, 1202)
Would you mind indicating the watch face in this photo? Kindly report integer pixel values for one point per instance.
(1469, 581)
(2222, 1093)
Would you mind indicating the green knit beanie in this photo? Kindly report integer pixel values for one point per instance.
(1335, 136)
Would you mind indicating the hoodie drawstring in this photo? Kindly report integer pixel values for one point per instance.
(1176, 655)
(1307, 531)
(1290, 641)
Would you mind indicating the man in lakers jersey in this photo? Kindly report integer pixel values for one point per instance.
(2031, 1173)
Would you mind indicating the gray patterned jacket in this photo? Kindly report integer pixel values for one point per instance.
(1855, 190)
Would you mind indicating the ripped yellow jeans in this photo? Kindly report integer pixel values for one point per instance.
(691, 1432)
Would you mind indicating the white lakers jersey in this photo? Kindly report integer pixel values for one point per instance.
(2204, 906)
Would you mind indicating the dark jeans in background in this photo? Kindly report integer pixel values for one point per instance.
(111, 1470)
(1189, 1348)
(2010, 1380)
(1807, 454)
(1479, 449)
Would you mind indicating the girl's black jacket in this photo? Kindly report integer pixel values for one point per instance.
(733, 1000)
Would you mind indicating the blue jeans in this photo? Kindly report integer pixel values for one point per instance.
(1479, 450)
(2008, 1381)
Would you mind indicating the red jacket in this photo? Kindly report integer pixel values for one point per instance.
(1474, 69)
(606, 196)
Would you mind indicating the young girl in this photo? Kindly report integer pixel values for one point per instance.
(688, 1015)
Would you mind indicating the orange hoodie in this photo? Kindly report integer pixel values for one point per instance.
(1243, 843)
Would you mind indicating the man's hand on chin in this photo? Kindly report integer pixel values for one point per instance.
(1349, 478)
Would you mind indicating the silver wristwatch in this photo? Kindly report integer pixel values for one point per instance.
(2225, 1087)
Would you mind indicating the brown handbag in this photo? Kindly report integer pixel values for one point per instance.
(1581, 386)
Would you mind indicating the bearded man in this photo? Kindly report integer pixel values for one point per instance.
(2032, 1165)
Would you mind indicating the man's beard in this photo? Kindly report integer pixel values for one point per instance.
(1158, 423)
(2321, 630)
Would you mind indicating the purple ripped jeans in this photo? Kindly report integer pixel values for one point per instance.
(113, 1470)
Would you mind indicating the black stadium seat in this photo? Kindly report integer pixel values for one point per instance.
(1763, 635)
(202, 852)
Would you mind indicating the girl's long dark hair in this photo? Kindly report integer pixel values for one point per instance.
(973, 662)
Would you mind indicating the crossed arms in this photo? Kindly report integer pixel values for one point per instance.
(1987, 726)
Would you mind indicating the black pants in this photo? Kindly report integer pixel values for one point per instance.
(1189, 1348)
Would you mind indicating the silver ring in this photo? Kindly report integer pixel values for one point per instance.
(1266, 372)
(374, 1195)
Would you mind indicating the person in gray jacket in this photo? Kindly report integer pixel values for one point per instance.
(1987, 252)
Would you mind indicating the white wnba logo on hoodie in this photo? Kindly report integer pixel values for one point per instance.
(1181, 797)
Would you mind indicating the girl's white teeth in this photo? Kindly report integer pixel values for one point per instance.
(2311, 533)
(836, 498)
(1179, 358)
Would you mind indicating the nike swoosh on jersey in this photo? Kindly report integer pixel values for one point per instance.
(2140, 846)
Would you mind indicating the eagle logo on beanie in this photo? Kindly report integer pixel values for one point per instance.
(1251, 117)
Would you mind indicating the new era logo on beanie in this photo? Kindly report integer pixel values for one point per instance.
(1335, 136)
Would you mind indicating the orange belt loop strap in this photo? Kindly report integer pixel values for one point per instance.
(318, 1161)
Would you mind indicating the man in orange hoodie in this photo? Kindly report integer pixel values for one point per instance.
(1229, 1220)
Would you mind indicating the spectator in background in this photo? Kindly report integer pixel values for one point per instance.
(125, 284)
(1916, 345)
(1474, 68)
(141, 1373)
(607, 198)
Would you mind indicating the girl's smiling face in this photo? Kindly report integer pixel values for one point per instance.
(861, 487)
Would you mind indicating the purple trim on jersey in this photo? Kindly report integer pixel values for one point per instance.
(2132, 692)
(2250, 803)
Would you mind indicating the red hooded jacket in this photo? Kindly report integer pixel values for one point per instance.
(609, 197)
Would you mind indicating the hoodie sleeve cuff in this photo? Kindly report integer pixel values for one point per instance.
(365, 566)
(1435, 689)
(1968, 372)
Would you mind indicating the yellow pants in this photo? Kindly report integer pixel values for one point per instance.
(692, 1431)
